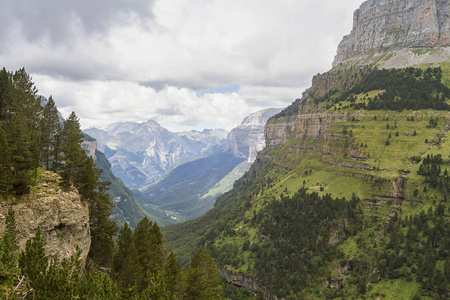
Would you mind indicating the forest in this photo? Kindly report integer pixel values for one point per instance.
(121, 265)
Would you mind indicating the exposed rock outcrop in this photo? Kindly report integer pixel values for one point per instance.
(396, 24)
(246, 140)
(301, 127)
(241, 280)
(62, 216)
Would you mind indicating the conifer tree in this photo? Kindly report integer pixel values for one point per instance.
(24, 155)
(5, 97)
(9, 242)
(72, 153)
(202, 279)
(48, 125)
(23, 95)
(6, 176)
(172, 277)
(148, 243)
(100, 204)
(124, 241)
(33, 261)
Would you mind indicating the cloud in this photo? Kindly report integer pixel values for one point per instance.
(169, 60)
(59, 20)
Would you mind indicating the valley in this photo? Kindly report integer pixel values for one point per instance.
(343, 194)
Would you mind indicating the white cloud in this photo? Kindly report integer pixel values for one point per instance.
(147, 60)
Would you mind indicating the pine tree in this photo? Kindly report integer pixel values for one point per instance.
(34, 262)
(172, 276)
(6, 176)
(5, 97)
(48, 126)
(24, 156)
(102, 228)
(148, 243)
(9, 242)
(202, 279)
(72, 153)
(24, 99)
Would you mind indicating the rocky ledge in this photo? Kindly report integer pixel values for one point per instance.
(62, 216)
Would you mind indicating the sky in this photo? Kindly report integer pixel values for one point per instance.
(187, 64)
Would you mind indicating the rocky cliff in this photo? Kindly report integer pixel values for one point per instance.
(396, 24)
(246, 140)
(62, 216)
(386, 34)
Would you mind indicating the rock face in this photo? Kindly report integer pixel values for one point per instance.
(382, 24)
(246, 140)
(62, 216)
(302, 127)
(387, 34)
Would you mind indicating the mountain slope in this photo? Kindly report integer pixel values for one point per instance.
(126, 209)
(190, 189)
(350, 197)
(179, 195)
(140, 153)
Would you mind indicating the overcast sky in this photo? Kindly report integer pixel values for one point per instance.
(187, 64)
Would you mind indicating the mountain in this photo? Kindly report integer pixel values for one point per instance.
(412, 32)
(140, 153)
(246, 140)
(126, 209)
(349, 199)
(202, 180)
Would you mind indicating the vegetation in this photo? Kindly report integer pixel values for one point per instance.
(32, 138)
(375, 158)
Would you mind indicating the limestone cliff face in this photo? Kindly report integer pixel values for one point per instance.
(246, 140)
(301, 127)
(381, 24)
(62, 216)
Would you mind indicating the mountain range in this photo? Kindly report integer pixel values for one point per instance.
(198, 165)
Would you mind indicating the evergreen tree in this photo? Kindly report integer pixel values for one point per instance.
(102, 228)
(172, 277)
(48, 129)
(5, 97)
(72, 153)
(24, 99)
(9, 242)
(202, 279)
(148, 243)
(6, 176)
(33, 261)
(24, 155)
(124, 241)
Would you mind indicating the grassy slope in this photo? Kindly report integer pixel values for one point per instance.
(386, 164)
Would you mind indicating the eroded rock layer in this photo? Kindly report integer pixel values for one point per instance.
(62, 216)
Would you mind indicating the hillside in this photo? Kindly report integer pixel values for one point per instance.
(206, 177)
(349, 199)
(193, 180)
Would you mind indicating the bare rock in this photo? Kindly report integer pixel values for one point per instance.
(62, 216)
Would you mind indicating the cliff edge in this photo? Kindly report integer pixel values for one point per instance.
(62, 216)
(380, 25)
